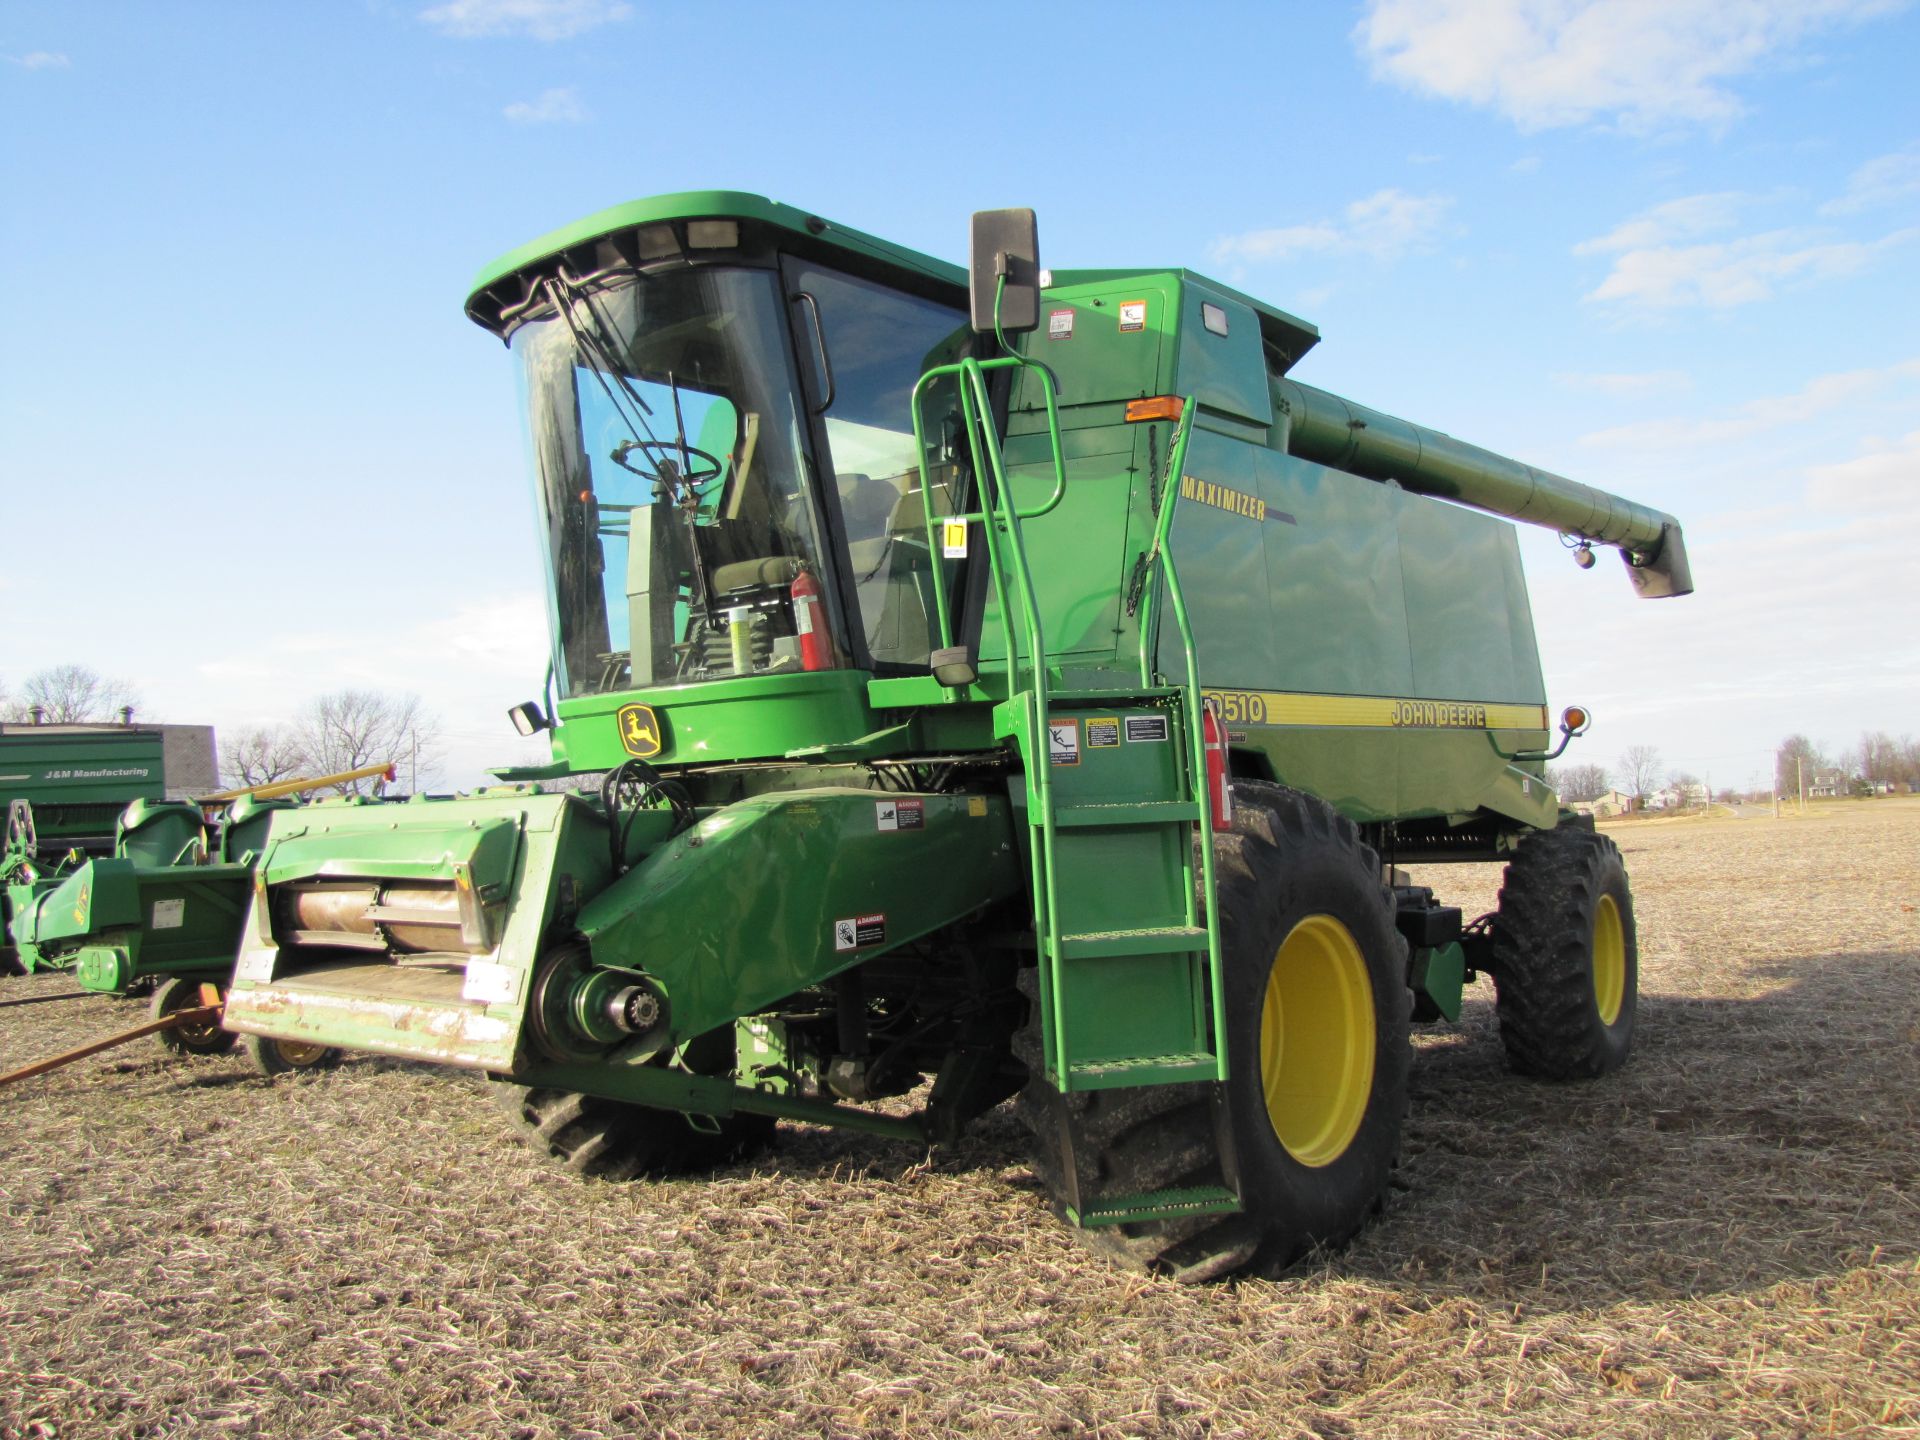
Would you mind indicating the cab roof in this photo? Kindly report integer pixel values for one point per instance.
(1291, 336)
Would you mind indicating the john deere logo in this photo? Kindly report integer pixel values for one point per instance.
(640, 730)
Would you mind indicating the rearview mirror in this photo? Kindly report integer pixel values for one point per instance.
(1005, 242)
(528, 719)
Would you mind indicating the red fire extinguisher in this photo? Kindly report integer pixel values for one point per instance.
(810, 623)
(1213, 739)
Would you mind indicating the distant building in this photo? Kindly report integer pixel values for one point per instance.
(1614, 802)
(1678, 797)
(1828, 785)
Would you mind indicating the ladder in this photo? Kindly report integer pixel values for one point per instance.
(1129, 983)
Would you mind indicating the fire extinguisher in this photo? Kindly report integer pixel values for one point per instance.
(810, 622)
(1213, 739)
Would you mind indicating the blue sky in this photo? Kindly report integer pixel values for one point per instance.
(250, 449)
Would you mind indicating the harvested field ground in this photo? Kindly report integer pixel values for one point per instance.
(1722, 1240)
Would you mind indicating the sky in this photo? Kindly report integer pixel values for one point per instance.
(251, 451)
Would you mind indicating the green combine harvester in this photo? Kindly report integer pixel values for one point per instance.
(1014, 681)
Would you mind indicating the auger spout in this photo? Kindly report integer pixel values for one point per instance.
(1331, 431)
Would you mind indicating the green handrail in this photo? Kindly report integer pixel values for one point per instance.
(1159, 562)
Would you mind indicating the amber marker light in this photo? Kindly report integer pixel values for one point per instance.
(1159, 407)
(1573, 719)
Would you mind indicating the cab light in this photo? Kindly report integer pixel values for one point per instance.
(713, 234)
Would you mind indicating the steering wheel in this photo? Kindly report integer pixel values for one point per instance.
(715, 467)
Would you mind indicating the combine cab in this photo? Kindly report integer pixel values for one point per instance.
(970, 686)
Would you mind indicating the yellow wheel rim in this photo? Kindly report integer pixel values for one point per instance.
(299, 1054)
(1316, 1040)
(1609, 960)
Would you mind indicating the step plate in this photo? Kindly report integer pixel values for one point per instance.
(1146, 1070)
(1156, 1205)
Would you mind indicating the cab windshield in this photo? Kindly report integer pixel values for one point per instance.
(681, 536)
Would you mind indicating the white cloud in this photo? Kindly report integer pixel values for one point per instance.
(1640, 383)
(1883, 483)
(554, 107)
(1819, 395)
(1684, 219)
(537, 19)
(1642, 64)
(40, 60)
(1881, 181)
(1652, 268)
(1737, 272)
(1384, 225)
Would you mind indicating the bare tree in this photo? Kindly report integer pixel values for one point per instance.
(1879, 759)
(1685, 786)
(349, 729)
(261, 756)
(1797, 756)
(1579, 782)
(73, 695)
(1639, 769)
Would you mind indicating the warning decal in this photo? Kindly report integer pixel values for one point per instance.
(1063, 742)
(1133, 315)
(1146, 727)
(908, 814)
(1103, 732)
(859, 931)
(169, 914)
(1060, 324)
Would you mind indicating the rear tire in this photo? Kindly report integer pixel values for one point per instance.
(288, 1057)
(176, 992)
(610, 1140)
(1317, 1014)
(1565, 956)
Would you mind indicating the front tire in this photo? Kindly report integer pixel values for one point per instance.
(610, 1140)
(1317, 1043)
(1566, 958)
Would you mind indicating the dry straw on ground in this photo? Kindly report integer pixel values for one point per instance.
(1723, 1240)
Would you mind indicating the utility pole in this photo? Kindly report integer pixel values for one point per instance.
(1800, 774)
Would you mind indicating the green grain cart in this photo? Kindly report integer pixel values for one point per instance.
(970, 686)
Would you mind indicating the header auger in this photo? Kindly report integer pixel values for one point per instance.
(969, 687)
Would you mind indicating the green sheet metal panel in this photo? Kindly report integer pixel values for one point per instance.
(750, 717)
(818, 878)
(1338, 606)
(1220, 361)
(1469, 626)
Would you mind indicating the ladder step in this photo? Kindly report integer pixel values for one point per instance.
(1110, 693)
(1142, 1070)
(1156, 1205)
(1145, 812)
(1104, 944)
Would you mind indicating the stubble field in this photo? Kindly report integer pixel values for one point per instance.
(1722, 1240)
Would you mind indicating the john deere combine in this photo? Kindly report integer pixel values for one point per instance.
(1026, 693)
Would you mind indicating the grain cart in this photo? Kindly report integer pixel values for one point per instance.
(969, 690)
